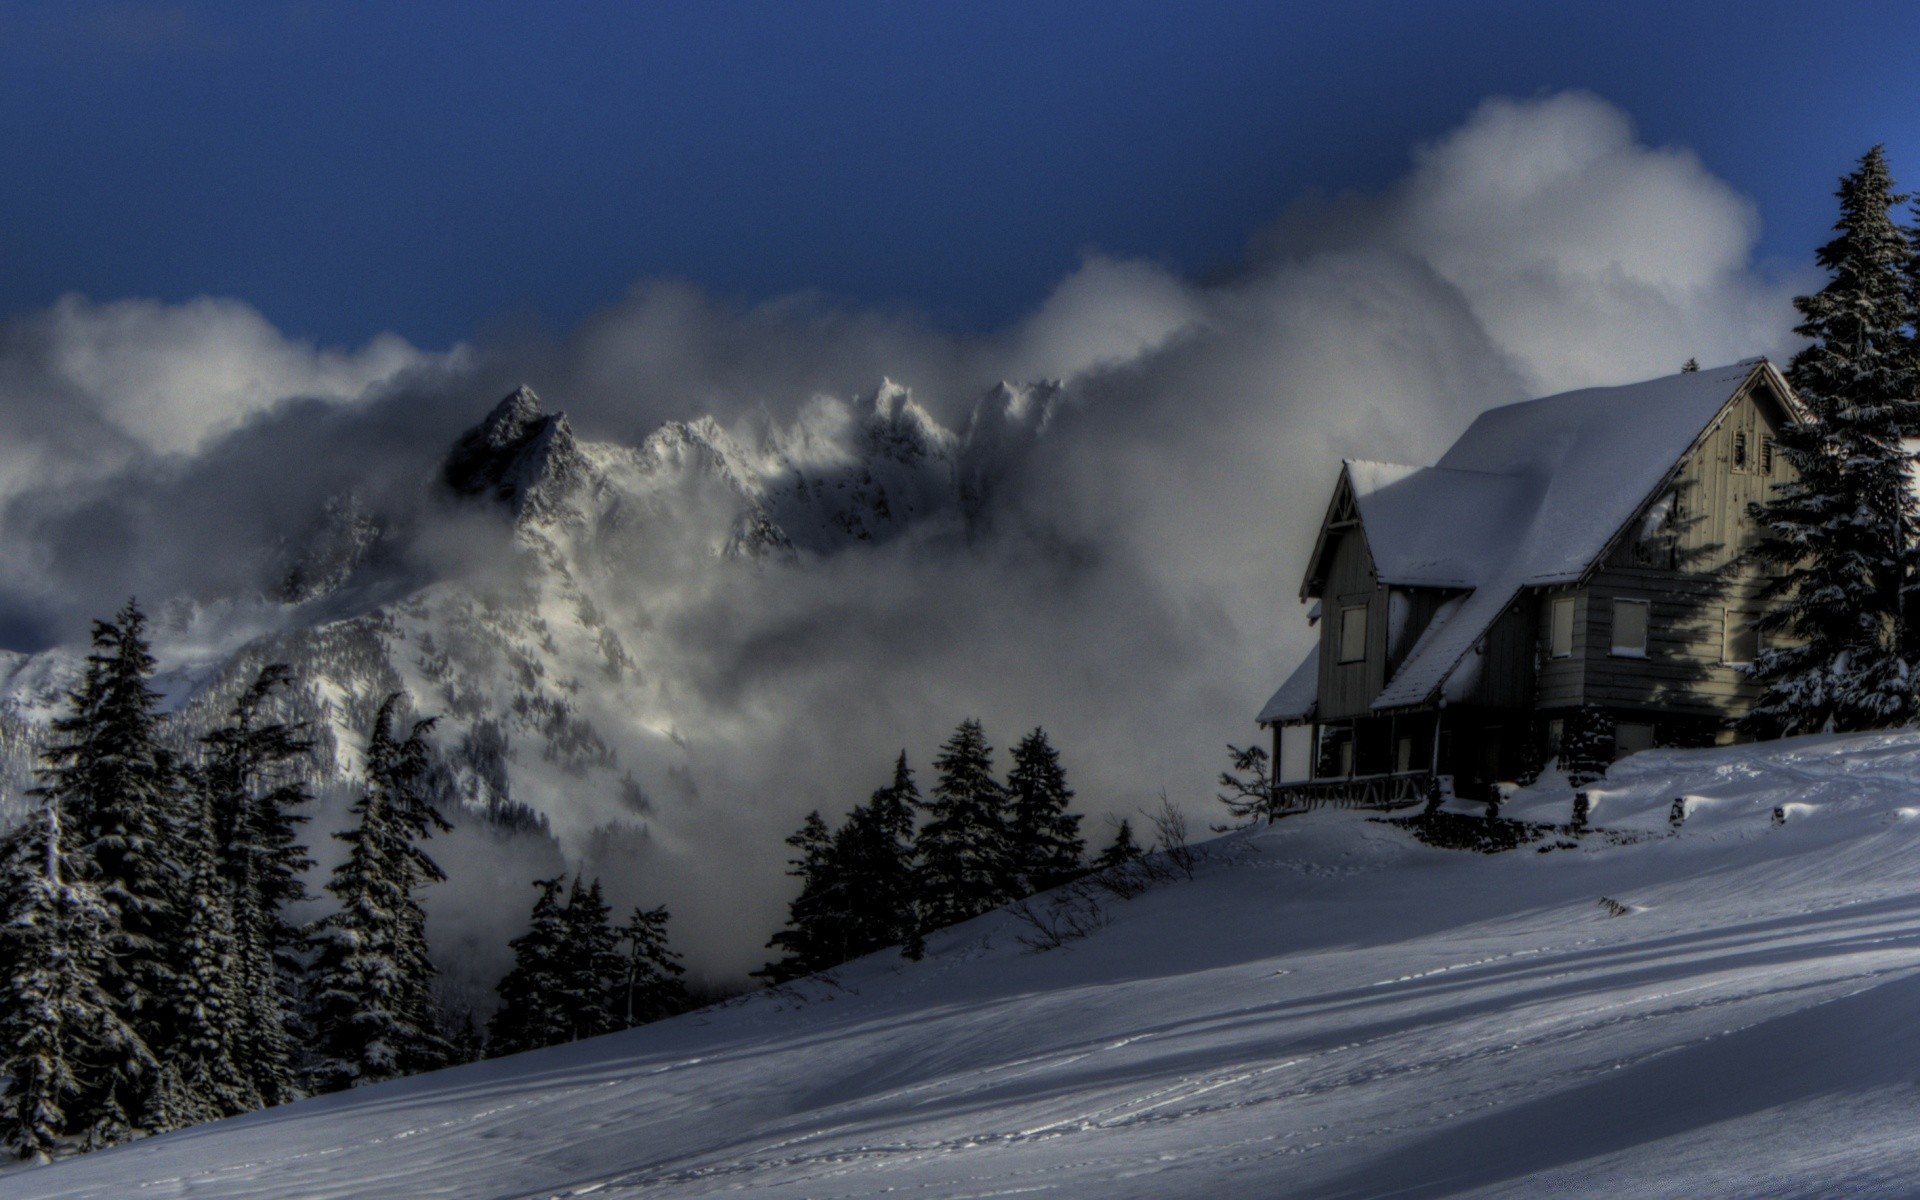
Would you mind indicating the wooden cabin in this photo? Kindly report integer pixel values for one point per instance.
(1577, 561)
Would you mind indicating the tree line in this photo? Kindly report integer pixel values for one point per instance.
(151, 975)
(901, 866)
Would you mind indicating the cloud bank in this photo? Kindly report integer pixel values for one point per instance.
(1135, 589)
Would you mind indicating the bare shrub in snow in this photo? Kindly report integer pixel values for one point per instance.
(1170, 829)
(1063, 915)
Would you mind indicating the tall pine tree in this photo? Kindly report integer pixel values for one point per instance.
(123, 806)
(1045, 837)
(529, 1016)
(810, 937)
(207, 1074)
(966, 867)
(1843, 532)
(650, 977)
(590, 965)
(252, 792)
(78, 1074)
(873, 858)
(372, 1012)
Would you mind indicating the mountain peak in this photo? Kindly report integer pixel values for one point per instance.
(512, 452)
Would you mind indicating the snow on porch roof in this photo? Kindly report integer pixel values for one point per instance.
(1296, 697)
(1579, 466)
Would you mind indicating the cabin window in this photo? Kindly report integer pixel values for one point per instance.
(1403, 756)
(1739, 449)
(1560, 638)
(1766, 456)
(1353, 633)
(1630, 628)
(1631, 738)
(1742, 640)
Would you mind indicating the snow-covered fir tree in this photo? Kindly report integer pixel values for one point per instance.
(807, 943)
(965, 860)
(529, 1016)
(122, 804)
(1045, 837)
(590, 962)
(372, 1013)
(650, 977)
(252, 795)
(207, 1075)
(1843, 532)
(78, 1075)
(873, 859)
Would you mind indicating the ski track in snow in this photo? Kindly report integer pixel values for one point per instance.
(1328, 1010)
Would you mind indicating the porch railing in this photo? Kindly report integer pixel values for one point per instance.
(1361, 791)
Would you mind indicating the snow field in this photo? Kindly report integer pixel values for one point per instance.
(1329, 1010)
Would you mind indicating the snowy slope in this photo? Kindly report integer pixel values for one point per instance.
(1329, 1010)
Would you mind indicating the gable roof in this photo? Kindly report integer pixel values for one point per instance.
(1532, 494)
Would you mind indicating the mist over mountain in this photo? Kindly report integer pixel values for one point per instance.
(717, 565)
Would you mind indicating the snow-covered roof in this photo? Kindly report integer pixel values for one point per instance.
(1431, 526)
(1530, 495)
(1580, 465)
(1296, 697)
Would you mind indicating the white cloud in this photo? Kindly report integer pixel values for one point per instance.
(1138, 595)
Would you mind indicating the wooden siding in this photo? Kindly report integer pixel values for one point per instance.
(1416, 607)
(1692, 571)
(1683, 671)
(1346, 689)
(1506, 667)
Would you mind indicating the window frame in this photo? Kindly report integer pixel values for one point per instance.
(1730, 621)
(1569, 605)
(1341, 657)
(1644, 650)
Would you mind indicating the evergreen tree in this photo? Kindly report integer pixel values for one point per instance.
(650, 983)
(873, 862)
(965, 865)
(591, 966)
(372, 1011)
(121, 803)
(1045, 837)
(1844, 530)
(251, 794)
(1121, 851)
(529, 1015)
(805, 944)
(77, 1072)
(208, 1076)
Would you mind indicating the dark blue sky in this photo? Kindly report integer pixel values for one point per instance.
(435, 169)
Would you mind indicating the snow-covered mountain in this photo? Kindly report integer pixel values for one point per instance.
(537, 600)
(1328, 1009)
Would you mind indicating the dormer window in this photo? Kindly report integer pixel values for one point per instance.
(1353, 633)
